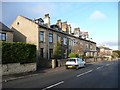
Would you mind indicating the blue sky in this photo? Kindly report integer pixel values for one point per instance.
(99, 19)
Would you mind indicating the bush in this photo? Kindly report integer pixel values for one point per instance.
(18, 52)
(73, 55)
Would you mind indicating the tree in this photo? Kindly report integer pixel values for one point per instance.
(117, 51)
(78, 49)
(58, 51)
(115, 55)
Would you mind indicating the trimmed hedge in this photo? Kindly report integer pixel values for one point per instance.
(18, 52)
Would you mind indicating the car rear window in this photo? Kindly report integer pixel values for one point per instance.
(71, 60)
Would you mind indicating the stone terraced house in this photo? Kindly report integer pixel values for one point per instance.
(6, 34)
(45, 37)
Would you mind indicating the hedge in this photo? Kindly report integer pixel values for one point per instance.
(18, 52)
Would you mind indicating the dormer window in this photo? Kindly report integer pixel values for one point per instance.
(39, 21)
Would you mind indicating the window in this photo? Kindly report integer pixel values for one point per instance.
(51, 53)
(87, 46)
(41, 36)
(50, 37)
(70, 42)
(3, 36)
(58, 38)
(65, 41)
(41, 52)
(73, 42)
(91, 47)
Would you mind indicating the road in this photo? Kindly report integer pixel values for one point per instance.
(97, 75)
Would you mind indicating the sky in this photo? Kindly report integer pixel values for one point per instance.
(99, 19)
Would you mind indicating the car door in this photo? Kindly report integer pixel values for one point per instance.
(82, 63)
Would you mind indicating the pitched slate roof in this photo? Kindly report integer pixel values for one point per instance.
(4, 27)
(44, 26)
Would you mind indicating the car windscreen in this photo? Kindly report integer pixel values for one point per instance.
(71, 60)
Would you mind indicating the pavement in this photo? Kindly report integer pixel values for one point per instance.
(99, 75)
(11, 77)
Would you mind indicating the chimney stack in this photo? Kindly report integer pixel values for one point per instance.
(47, 20)
(77, 32)
(65, 26)
(69, 29)
(59, 23)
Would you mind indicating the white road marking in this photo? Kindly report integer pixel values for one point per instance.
(107, 64)
(84, 73)
(53, 85)
(99, 67)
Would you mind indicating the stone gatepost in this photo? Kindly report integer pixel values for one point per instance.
(53, 63)
(59, 62)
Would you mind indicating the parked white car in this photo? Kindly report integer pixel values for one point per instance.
(75, 63)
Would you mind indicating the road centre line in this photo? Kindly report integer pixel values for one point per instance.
(53, 85)
(107, 64)
(84, 73)
(100, 67)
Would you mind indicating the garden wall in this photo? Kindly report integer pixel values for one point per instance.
(15, 68)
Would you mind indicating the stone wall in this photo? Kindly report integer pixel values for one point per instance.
(15, 68)
(9, 37)
(63, 61)
(89, 60)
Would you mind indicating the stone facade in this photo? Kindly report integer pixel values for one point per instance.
(105, 52)
(45, 37)
(9, 36)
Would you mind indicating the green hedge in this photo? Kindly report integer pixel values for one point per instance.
(18, 52)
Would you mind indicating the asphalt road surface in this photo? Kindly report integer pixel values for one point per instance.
(99, 75)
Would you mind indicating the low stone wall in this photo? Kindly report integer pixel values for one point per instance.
(63, 61)
(98, 59)
(88, 60)
(15, 68)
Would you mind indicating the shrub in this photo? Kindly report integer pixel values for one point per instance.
(73, 55)
(18, 52)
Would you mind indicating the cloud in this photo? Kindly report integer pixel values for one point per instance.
(97, 15)
(111, 44)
